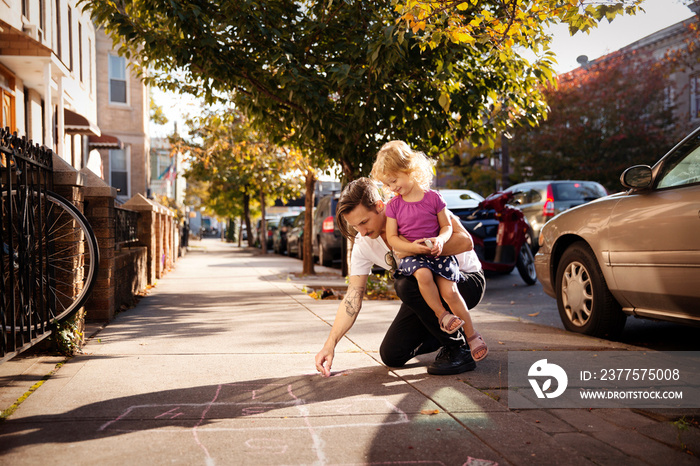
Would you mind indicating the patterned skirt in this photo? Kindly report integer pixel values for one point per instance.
(445, 266)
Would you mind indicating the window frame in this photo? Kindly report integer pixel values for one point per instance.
(110, 79)
(127, 156)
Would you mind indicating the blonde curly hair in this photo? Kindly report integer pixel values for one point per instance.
(397, 157)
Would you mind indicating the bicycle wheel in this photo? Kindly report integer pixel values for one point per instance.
(50, 259)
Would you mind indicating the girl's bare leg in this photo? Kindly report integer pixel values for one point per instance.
(450, 293)
(430, 292)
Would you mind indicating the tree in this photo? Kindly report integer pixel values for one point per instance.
(604, 118)
(506, 24)
(336, 78)
(237, 164)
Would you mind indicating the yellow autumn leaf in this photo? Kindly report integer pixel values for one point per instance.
(463, 6)
(430, 411)
(535, 314)
(461, 37)
(418, 26)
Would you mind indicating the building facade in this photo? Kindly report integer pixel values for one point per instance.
(47, 75)
(123, 117)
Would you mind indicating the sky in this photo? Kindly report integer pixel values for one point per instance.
(609, 37)
(606, 38)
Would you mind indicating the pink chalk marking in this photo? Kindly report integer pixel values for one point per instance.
(119, 418)
(168, 412)
(315, 438)
(201, 420)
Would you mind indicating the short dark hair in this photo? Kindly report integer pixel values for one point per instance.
(362, 191)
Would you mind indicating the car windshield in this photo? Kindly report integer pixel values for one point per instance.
(460, 198)
(577, 191)
(288, 221)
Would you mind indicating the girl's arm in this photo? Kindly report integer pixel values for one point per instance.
(399, 243)
(444, 235)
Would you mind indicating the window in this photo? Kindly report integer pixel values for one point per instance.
(695, 96)
(117, 79)
(57, 44)
(669, 97)
(80, 52)
(90, 77)
(70, 39)
(42, 17)
(119, 170)
(681, 169)
(7, 101)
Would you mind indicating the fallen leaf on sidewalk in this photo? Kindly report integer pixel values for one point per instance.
(501, 343)
(534, 314)
(430, 411)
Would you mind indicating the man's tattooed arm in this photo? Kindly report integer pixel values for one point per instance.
(353, 300)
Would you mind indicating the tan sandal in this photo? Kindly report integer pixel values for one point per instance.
(479, 347)
(447, 320)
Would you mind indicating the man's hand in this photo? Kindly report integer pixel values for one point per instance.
(460, 241)
(324, 361)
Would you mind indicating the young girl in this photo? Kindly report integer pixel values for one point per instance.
(417, 224)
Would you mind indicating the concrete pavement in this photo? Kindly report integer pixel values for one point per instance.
(216, 367)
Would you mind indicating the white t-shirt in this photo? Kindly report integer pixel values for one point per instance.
(367, 252)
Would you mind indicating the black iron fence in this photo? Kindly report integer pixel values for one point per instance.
(25, 307)
(126, 226)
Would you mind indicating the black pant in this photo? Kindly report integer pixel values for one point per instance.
(415, 329)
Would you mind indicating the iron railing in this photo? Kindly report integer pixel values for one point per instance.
(25, 308)
(126, 225)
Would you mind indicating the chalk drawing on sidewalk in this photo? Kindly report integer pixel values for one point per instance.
(291, 413)
(260, 410)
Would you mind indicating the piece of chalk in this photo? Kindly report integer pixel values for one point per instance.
(429, 243)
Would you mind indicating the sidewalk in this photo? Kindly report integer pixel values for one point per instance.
(216, 367)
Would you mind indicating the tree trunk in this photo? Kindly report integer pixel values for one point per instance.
(263, 224)
(240, 231)
(308, 265)
(246, 214)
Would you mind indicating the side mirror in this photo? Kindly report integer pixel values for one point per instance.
(637, 177)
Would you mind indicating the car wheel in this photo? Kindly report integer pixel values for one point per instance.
(289, 250)
(584, 300)
(526, 265)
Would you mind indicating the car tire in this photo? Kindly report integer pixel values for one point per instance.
(585, 303)
(526, 265)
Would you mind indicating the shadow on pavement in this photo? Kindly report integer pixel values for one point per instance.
(363, 413)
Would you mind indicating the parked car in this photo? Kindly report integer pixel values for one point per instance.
(326, 236)
(295, 237)
(271, 223)
(540, 201)
(460, 198)
(632, 253)
(279, 236)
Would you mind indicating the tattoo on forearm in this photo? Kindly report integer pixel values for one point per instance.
(353, 300)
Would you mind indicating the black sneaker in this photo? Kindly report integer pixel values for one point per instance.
(452, 360)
